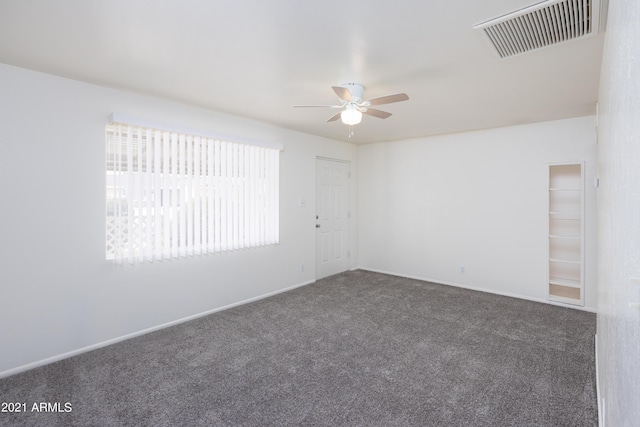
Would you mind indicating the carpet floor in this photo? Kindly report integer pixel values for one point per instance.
(355, 349)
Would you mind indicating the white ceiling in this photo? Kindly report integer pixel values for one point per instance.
(257, 58)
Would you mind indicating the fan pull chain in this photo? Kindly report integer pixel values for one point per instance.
(351, 131)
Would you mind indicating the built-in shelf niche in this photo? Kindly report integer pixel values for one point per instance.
(566, 233)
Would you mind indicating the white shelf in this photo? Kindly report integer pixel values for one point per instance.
(565, 261)
(565, 300)
(565, 282)
(576, 214)
(566, 233)
(553, 236)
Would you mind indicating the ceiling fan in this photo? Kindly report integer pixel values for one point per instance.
(353, 105)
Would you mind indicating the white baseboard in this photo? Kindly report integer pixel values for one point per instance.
(601, 407)
(474, 288)
(96, 346)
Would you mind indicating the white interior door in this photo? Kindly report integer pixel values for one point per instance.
(332, 217)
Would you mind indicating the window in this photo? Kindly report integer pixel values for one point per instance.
(173, 194)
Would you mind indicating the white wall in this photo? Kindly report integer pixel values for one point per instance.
(59, 294)
(479, 199)
(618, 341)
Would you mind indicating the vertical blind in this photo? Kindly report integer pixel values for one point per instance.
(174, 195)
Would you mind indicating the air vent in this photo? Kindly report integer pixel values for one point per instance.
(543, 24)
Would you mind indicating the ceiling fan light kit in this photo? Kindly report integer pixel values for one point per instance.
(354, 106)
(351, 116)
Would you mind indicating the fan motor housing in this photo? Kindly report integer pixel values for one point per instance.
(356, 90)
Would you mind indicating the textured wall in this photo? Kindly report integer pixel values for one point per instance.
(429, 206)
(59, 294)
(619, 219)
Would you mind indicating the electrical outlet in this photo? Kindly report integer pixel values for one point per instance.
(462, 269)
(301, 268)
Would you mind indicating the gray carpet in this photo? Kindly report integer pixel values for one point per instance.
(357, 349)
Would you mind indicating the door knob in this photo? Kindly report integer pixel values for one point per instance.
(317, 225)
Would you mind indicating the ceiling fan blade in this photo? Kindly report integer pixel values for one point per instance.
(334, 117)
(377, 113)
(343, 93)
(389, 99)
(317, 106)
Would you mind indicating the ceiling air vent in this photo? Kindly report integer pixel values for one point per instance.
(543, 24)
